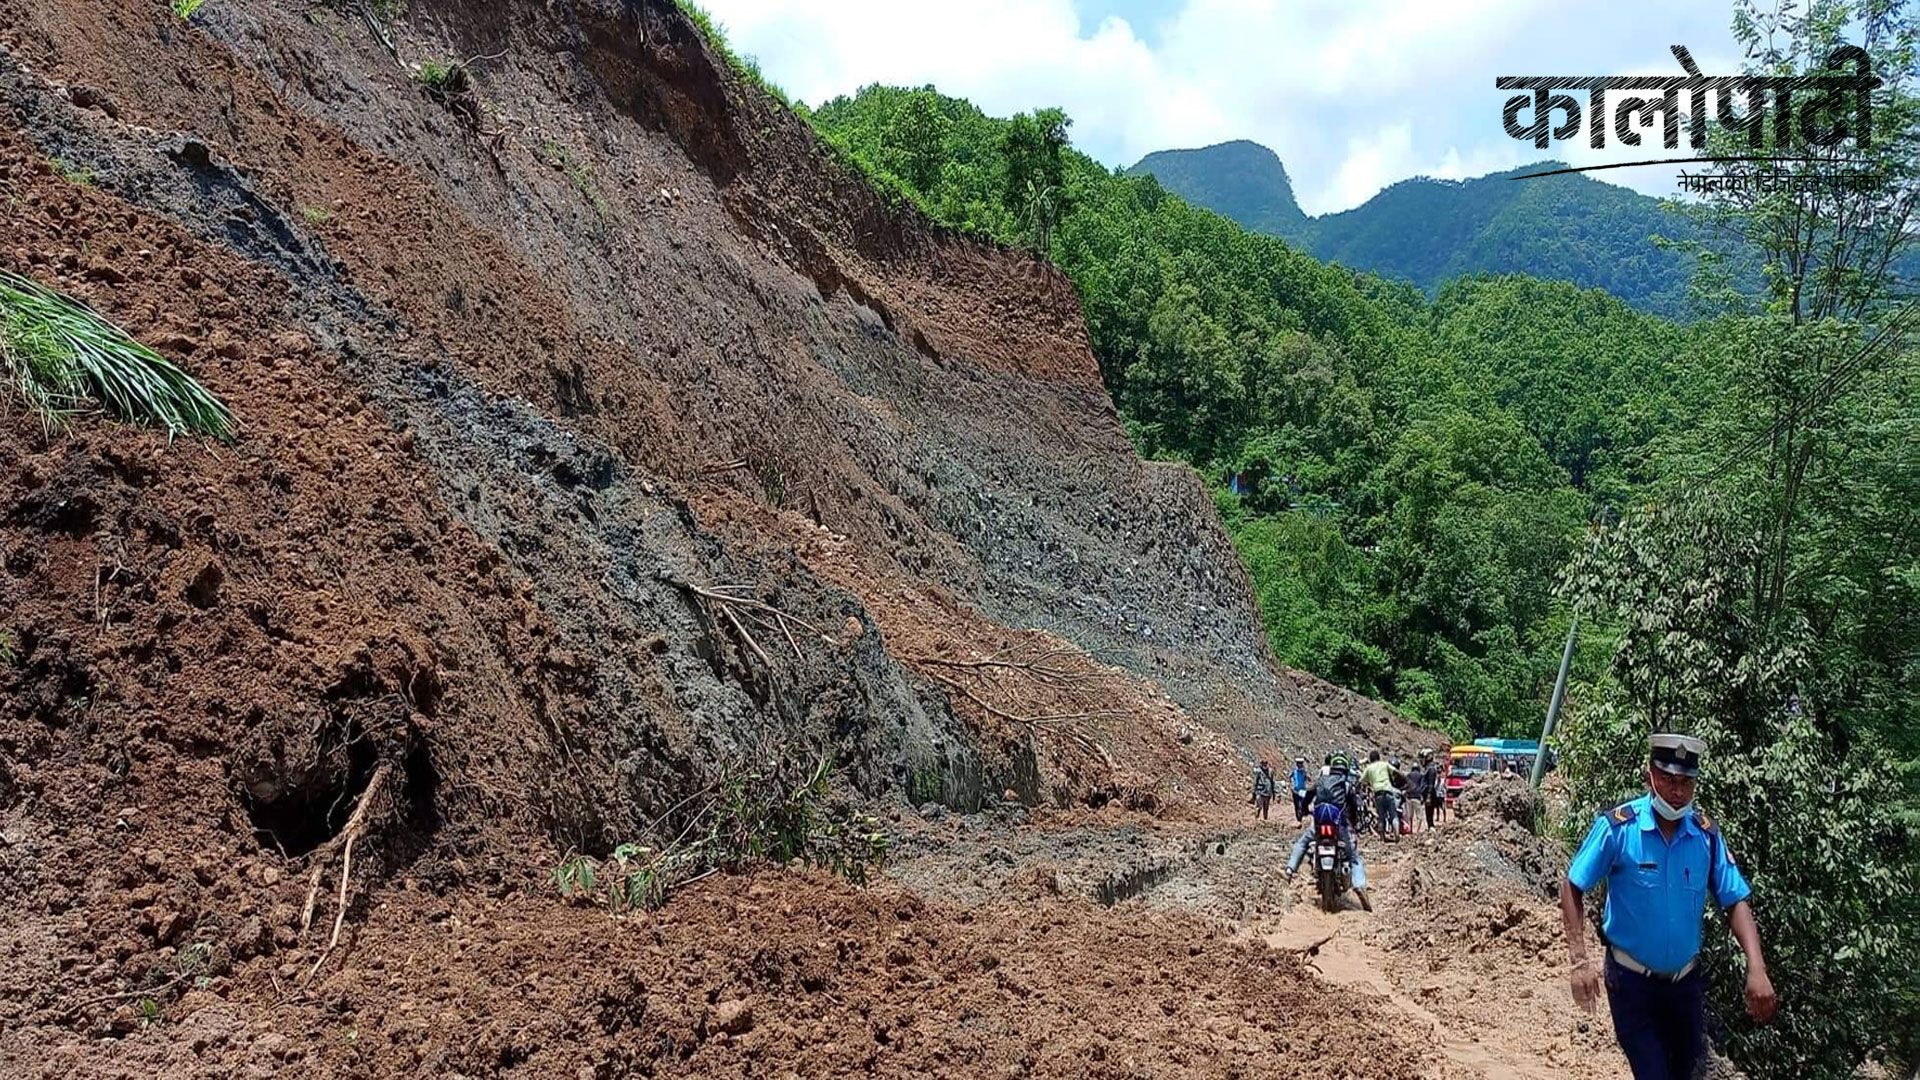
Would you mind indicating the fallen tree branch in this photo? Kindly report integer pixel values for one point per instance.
(313, 896)
(751, 604)
(1312, 949)
(148, 991)
(1037, 667)
(727, 610)
(379, 32)
(1048, 722)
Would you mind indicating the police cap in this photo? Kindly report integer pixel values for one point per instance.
(1677, 754)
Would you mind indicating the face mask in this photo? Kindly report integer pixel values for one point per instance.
(1669, 811)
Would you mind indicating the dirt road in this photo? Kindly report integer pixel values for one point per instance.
(1463, 948)
(1498, 1012)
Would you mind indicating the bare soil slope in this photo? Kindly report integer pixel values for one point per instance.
(526, 378)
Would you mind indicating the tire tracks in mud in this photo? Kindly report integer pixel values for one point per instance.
(1465, 998)
(1525, 1041)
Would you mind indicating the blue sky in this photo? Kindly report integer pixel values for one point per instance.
(1352, 94)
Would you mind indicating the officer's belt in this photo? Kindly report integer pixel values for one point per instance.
(1620, 957)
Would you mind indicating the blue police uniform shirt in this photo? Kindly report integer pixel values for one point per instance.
(1656, 890)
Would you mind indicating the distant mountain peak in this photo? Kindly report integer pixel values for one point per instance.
(1239, 179)
(1427, 230)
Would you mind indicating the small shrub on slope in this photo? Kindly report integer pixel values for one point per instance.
(751, 814)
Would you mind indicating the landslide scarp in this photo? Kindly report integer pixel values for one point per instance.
(527, 384)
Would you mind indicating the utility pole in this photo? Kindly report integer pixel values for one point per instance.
(1602, 517)
(1553, 706)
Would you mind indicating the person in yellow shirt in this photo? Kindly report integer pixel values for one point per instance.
(1377, 776)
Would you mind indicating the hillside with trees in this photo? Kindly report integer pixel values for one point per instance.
(1428, 231)
(1241, 180)
(1403, 477)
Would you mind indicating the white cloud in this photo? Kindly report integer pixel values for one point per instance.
(1372, 162)
(1352, 94)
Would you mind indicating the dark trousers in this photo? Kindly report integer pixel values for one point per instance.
(1299, 806)
(1661, 1025)
(1260, 804)
(1383, 813)
(1432, 805)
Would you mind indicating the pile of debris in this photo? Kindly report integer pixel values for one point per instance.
(1501, 798)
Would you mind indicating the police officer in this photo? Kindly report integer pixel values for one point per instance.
(1661, 859)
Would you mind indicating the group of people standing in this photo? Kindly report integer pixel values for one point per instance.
(1383, 780)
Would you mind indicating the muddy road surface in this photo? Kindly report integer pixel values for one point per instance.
(1462, 955)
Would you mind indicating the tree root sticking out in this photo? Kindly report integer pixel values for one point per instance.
(356, 825)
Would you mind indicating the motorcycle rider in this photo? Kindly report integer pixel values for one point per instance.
(1335, 788)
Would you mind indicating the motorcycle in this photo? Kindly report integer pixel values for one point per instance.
(1333, 866)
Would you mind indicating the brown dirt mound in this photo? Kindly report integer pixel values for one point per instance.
(1501, 798)
(830, 982)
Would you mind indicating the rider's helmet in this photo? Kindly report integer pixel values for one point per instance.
(1338, 763)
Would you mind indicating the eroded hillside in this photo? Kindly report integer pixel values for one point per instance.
(597, 428)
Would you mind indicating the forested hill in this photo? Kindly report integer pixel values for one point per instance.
(1404, 476)
(1425, 231)
(1241, 179)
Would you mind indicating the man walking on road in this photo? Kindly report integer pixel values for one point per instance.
(1661, 859)
(1377, 777)
(1417, 778)
(1262, 790)
(1436, 799)
(1299, 789)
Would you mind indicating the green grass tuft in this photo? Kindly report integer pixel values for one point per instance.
(443, 79)
(71, 173)
(184, 9)
(57, 354)
(556, 156)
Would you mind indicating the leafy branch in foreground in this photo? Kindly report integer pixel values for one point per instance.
(749, 815)
(57, 353)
